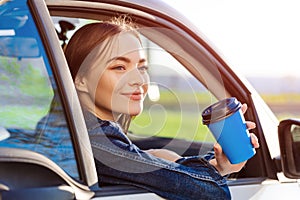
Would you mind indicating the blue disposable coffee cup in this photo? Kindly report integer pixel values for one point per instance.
(226, 122)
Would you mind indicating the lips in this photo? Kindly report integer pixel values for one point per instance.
(135, 96)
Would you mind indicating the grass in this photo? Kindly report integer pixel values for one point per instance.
(281, 98)
(174, 116)
(289, 104)
(21, 116)
(172, 125)
(155, 121)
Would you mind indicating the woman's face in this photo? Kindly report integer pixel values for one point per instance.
(123, 84)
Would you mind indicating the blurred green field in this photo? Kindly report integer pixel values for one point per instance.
(25, 117)
(156, 123)
(163, 122)
(175, 124)
(281, 98)
(174, 116)
(283, 105)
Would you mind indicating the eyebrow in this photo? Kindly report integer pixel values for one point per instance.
(125, 59)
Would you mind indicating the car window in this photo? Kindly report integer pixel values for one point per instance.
(31, 111)
(175, 99)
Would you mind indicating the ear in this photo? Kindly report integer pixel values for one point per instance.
(81, 84)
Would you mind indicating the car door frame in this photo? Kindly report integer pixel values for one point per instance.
(68, 95)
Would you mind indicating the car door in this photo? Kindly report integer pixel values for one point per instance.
(38, 155)
(187, 75)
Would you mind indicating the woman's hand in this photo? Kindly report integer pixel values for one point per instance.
(221, 162)
(165, 154)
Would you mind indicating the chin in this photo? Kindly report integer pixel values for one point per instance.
(134, 111)
(132, 108)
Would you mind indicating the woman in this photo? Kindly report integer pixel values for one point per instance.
(109, 69)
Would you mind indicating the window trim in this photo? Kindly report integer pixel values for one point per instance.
(66, 89)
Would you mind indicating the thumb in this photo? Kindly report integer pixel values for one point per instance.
(220, 156)
(218, 150)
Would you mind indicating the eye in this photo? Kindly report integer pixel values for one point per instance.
(143, 68)
(119, 68)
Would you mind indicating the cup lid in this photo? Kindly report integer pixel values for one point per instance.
(220, 110)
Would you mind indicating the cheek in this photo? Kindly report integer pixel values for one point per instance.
(104, 89)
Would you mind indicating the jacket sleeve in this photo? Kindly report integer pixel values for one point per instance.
(119, 161)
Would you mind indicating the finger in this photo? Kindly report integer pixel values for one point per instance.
(217, 150)
(254, 140)
(244, 108)
(220, 156)
(250, 125)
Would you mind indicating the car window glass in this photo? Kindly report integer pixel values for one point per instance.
(31, 112)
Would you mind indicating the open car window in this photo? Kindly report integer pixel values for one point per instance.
(176, 98)
(31, 113)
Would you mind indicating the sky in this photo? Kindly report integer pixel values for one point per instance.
(255, 37)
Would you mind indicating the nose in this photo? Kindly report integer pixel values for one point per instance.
(136, 77)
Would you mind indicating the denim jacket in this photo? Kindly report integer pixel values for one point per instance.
(119, 161)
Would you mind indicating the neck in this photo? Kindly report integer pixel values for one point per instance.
(122, 119)
(88, 104)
